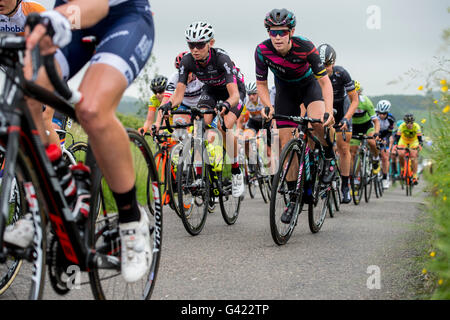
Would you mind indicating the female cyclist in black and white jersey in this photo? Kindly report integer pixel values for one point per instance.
(223, 86)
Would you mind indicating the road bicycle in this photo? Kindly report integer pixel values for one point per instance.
(407, 172)
(362, 173)
(304, 166)
(257, 172)
(198, 191)
(166, 159)
(64, 242)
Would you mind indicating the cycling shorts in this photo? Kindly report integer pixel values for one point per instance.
(125, 41)
(210, 97)
(363, 128)
(290, 95)
(256, 125)
(412, 144)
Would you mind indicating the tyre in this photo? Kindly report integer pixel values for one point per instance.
(192, 200)
(291, 157)
(171, 177)
(229, 205)
(357, 179)
(28, 275)
(104, 236)
(317, 210)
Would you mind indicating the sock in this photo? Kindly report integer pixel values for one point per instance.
(384, 176)
(235, 169)
(127, 206)
(344, 182)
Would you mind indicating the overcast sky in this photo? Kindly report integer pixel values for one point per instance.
(375, 51)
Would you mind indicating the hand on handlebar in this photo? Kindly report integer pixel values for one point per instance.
(142, 131)
(344, 124)
(329, 122)
(224, 107)
(267, 112)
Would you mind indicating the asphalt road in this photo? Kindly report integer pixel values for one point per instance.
(350, 258)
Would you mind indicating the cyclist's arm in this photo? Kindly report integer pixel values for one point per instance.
(150, 118)
(327, 92)
(233, 93)
(178, 95)
(376, 123)
(354, 101)
(263, 93)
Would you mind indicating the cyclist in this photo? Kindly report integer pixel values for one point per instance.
(409, 135)
(13, 14)
(365, 122)
(255, 110)
(387, 123)
(158, 86)
(300, 77)
(191, 95)
(343, 87)
(112, 68)
(223, 86)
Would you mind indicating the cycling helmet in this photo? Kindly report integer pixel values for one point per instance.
(409, 117)
(358, 86)
(158, 84)
(280, 18)
(383, 106)
(251, 88)
(199, 32)
(327, 54)
(178, 59)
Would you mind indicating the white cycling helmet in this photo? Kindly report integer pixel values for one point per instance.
(199, 32)
(383, 106)
(251, 88)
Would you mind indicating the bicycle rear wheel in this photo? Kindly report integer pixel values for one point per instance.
(104, 236)
(171, 177)
(27, 276)
(291, 158)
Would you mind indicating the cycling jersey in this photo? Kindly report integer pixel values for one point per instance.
(216, 73)
(16, 23)
(254, 108)
(409, 136)
(342, 83)
(365, 111)
(192, 93)
(387, 126)
(301, 62)
(154, 103)
(125, 40)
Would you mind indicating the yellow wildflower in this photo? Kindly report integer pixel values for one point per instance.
(435, 102)
(423, 121)
(424, 271)
(446, 109)
(440, 282)
(420, 88)
(433, 254)
(443, 82)
(444, 88)
(444, 198)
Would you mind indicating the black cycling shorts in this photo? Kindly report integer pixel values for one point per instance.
(258, 125)
(210, 97)
(290, 95)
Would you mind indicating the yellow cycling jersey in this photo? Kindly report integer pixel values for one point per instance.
(409, 135)
(154, 103)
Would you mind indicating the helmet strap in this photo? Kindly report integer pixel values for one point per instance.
(15, 8)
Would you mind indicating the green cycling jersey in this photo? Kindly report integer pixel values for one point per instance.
(365, 111)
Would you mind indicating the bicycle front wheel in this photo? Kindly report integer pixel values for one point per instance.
(25, 279)
(317, 209)
(229, 205)
(291, 158)
(105, 239)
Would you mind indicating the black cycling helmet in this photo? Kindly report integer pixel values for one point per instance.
(327, 54)
(280, 18)
(158, 84)
(409, 117)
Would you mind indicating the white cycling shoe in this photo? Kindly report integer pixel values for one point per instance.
(21, 233)
(136, 251)
(237, 185)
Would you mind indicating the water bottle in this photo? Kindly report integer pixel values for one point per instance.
(81, 174)
(63, 173)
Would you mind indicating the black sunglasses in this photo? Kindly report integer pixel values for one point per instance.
(198, 45)
(158, 91)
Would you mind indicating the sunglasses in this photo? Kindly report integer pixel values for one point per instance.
(281, 33)
(383, 113)
(198, 45)
(158, 91)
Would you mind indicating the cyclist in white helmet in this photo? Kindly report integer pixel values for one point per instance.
(387, 123)
(223, 86)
